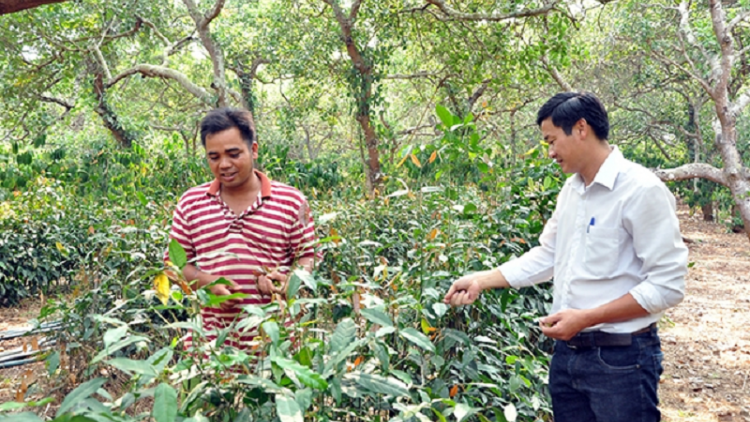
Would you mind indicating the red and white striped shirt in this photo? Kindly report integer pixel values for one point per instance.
(274, 232)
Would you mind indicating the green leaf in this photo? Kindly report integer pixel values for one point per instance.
(418, 338)
(22, 417)
(272, 330)
(81, 392)
(177, 254)
(133, 366)
(379, 384)
(11, 405)
(377, 316)
(144, 201)
(165, 403)
(288, 409)
(306, 278)
(510, 413)
(303, 373)
(445, 115)
(114, 334)
(343, 335)
(53, 362)
(293, 285)
(463, 411)
(117, 346)
(469, 208)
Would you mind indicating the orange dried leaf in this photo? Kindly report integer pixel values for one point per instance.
(359, 360)
(34, 344)
(415, 160)
(454, 391)
(433, 156)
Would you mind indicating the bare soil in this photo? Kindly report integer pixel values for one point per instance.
(706, 339)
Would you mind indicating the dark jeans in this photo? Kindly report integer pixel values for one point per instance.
(607, 384)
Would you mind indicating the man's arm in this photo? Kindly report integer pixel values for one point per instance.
(569, 322)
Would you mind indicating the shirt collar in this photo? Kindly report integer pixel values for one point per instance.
(607, 174)
(265, 186)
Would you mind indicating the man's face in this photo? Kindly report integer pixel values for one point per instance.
(564, 149)
(230, 159)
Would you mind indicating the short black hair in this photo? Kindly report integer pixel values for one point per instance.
(221, 119)
(567, 108)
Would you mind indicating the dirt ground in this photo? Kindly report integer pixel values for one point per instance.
(706, 339)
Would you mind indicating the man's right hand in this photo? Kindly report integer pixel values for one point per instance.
(466, 289)
(224, 290)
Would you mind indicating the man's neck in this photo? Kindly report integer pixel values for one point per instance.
(247, 189)
(598, 157)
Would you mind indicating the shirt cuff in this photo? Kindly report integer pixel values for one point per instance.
(649, 297)
(513, 273)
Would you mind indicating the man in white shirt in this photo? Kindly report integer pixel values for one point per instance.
(614, 247)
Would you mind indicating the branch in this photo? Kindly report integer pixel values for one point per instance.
(692, 171)
(57, 101)
(701, 81)
(737, 19)
(460, 16)
(152, 71)
(102, 63)
(13, 6)
(421, 74)
(556, 75)
(740, 104)
(354, 10)
(478, 93)
(214, 51)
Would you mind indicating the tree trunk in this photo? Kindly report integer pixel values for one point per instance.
(123, 136)
(707, 210)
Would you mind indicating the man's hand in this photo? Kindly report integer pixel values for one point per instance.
(224, 290)
(565, 324)
(273, 282)
(464, 291)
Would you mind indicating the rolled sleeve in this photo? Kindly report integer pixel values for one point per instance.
(538, 264)
(652, 221)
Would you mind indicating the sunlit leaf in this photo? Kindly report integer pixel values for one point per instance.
(162, 287)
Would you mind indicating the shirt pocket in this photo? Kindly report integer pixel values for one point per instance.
(602, 251)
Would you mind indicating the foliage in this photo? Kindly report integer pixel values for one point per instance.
(370, 337)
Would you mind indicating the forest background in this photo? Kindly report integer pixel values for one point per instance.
(410, 127)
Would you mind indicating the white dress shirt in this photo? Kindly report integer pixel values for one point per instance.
(619, 235)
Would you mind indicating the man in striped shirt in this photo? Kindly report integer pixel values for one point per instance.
(241, 226)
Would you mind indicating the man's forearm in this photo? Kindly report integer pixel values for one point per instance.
(195, 277)
(622, 309)
(306, 263)
(492, 279)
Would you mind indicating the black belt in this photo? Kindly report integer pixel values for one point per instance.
(590, 339)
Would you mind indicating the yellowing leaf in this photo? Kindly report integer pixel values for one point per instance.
(433, 156)
(400, 163)
(161, 285)
(59, 247)
(415, 160)
(433, 234)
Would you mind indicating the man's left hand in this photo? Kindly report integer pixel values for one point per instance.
(564, 324)
(273, 282)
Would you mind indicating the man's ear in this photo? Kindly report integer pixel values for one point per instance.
(254, 150)
(581, 127)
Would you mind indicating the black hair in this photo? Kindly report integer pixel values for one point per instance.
(567, 108)
(221, 119)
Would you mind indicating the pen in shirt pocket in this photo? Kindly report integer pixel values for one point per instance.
(591, 223)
